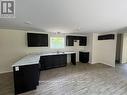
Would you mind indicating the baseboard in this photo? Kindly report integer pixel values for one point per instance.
(6, 72)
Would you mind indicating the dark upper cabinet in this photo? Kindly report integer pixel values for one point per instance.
(83, 41)
(106, 37)
(70, 40)
(37, 40)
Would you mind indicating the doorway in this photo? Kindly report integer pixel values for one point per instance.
(119, 43)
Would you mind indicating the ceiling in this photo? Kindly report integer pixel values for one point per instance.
(68, 16)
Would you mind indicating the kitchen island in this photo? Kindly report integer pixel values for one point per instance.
(27, 70)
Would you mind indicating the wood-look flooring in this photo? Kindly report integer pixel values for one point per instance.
(6, 84)
(82, 79)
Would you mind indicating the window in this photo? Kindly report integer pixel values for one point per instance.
(57, 42)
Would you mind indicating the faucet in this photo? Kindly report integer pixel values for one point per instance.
(57, 51)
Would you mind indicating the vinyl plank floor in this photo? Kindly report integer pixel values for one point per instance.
(82, 79)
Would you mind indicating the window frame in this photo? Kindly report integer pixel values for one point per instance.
(58, 47)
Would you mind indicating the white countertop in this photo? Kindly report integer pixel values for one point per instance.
(34, 58)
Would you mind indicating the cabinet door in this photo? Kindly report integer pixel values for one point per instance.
(82, 41)
(73, 58)
(48, 62)
(106, 37)
(53, 61)
(69, 41)
(59, 60)
(26, 78)
(56, 60)
(63, 60)
(37, 40)
(42, 62)
(84, 57)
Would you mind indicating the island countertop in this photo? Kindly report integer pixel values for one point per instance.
(34, 58)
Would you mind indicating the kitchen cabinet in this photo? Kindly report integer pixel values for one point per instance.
(37, 40)
(27, 70)
(106, 37)
(82, 41)
(26, 78)
(73, 58)
(84, 57)
(53, 61)
(70, 40)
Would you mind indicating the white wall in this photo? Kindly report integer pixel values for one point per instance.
(89, 46)
(124, 48)
(103, 51)
(13, 46)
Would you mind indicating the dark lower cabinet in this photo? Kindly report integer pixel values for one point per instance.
(53, 61)
(73, 58)
(26, 78)
(47, 62)
(84, 57)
